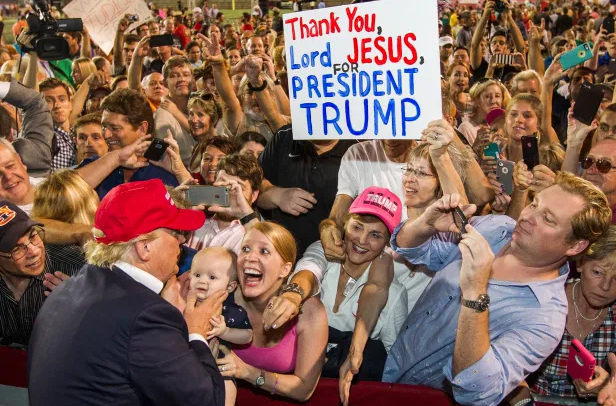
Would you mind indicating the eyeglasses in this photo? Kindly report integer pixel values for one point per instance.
(419, 174)
(36, 237)
(603, 165)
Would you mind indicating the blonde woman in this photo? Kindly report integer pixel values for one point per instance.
(486, 95)
(82, 68)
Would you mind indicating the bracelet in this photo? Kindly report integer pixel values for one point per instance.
(527, 401)
(257, 89)
(248, 218)
(275, 383)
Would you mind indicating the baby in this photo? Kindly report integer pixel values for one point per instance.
(214, 269)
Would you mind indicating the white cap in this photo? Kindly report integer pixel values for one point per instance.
(446, 40)
(197, 10)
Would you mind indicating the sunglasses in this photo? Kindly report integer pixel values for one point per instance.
(603, 166)
(207, 96)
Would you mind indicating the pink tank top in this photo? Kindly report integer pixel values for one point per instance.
(279, 358)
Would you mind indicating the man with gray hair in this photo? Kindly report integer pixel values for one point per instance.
(136, 341)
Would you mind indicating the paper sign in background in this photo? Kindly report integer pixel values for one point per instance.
(101, 17)
(370, 70)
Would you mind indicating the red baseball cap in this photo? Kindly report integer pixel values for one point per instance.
(137, 208)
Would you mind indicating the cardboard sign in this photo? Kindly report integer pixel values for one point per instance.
(364, 71)
(101, 17)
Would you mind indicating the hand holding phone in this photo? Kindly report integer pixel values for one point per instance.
(581, 363)
(161, 40)
(460, 219)
(504, 172)
(492, 150)
(576, 56)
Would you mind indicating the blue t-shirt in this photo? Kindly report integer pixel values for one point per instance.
(116, 177)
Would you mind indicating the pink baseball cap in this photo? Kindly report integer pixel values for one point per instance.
(379, 202)
(494, 115)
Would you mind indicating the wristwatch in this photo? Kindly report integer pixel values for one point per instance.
(260, 379)
(481, 304)
(248, 218)
(293, 287)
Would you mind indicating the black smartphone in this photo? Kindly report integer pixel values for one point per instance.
(590, 97)
(608, 25)
(611, 67)
(460, 219)
(156, 150)
(530, 151)
(161, 40)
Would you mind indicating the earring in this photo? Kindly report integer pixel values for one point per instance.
(382, 252)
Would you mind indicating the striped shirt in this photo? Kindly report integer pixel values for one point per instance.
(17, 317)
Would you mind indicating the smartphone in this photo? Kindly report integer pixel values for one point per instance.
(590, 98)
(611, 67)
(156, 150)
(208, 195)
(492, 150)
(460, 219)
(504, 171)
(608, 25)
(503, 59)
(581, 363)
(161, 40)
(530, 151)
(133, 17)
(576, 56)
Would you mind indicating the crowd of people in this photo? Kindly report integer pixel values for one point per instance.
(452, 260)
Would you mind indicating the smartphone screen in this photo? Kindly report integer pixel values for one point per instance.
(460, 219)
(530, 151)
(590, 98)
(156, 150)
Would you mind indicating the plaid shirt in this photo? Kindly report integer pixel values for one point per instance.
(551, 378)
(65, 149)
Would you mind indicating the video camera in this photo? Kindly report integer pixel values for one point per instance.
(47, 44)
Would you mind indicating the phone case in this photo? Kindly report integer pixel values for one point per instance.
(576, 56)
(590, 97)
(208, 195)
(492, 150)
(530, 151)
(611, 67)
(581, 363)
(161, 40)
(156, 150)
(504, 171)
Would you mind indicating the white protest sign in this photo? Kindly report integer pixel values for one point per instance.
(364, 71)
(101, 17)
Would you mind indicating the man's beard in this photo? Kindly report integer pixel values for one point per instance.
(253, 115)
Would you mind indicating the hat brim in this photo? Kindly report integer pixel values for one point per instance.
(187, 220)
(373, 211)
(9, 241)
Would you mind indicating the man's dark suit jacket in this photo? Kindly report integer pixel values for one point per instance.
(103, 338)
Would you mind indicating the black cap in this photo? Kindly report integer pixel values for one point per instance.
(14, 223)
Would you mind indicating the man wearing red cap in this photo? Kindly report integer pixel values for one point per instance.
(109, 336)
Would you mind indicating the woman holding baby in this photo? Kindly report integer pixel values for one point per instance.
(286, 361)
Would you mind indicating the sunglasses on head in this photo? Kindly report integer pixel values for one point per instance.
(202, 95)
(603, 166)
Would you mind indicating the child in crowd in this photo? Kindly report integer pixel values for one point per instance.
(214, 269)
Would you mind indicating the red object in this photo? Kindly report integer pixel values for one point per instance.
(137, 208)
(581, 362)
(180, 31)
(14, 373)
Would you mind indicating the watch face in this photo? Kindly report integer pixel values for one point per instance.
(484, 301)
(260, 380)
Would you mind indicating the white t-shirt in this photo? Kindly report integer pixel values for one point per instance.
(163, 121)
(327, 274)
(363, 165)
(34, 182)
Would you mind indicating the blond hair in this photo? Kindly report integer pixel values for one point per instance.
(459, 158)
(529, 74)
(281, 239)
(86, 66)
(480, 87)
(65, 196)
(535, 104)
(552, 156)
(593, 221)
